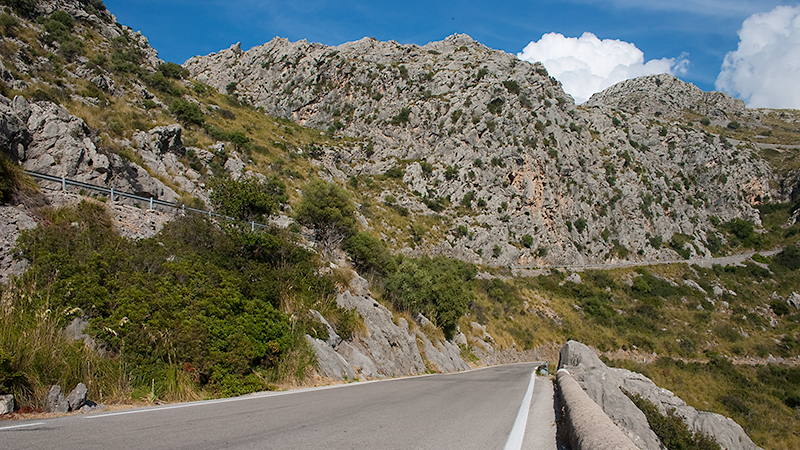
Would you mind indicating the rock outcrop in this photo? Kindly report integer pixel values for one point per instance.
(13, 220)
(605, 386)
(387, 347)
(468, 125)
(6, 404)
(391, 347)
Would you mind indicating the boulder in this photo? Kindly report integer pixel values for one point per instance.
(91, 406)
(6, 404)
(161, 140)
(77, 397)
(794, 300)
(605, 386)
(56, 401)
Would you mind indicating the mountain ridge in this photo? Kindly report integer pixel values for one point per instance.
(467, 123)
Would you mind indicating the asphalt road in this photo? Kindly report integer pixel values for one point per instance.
(468, 410)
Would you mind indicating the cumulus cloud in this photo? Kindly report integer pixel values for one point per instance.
(765, 70)
(586, 65)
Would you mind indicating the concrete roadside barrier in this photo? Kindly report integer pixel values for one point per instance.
(588, 426)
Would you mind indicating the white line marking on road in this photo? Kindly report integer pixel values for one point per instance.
(278, 393)
(21, 426)
(514, 441)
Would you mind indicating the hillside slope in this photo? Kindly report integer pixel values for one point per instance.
(510, 170)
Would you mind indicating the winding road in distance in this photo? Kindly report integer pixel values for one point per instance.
(479, 409)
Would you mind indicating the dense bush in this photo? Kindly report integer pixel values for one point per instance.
(789, 257)
(437, 287)
(742, 232)
(248, 199)
(327, 208)
(370, 254)
(195, 299)
(187, 112)
(172, 70)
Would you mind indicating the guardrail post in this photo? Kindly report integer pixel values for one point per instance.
(112, 194)
(151, 203)
(63, 183)
(183, 209)
(252, 226)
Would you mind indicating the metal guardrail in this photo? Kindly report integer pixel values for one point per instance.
(151, 201)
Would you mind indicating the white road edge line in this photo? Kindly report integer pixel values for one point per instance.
(21, 426)
(514, 441)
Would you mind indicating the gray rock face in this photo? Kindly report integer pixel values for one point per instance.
(330, 363)
(495, 129)
(444, 355)
(47, 139)
(56, 402)
(13, 220)
(794, 300)
(604, 385)
(6, 404)
(391, 347)
(388, 348)
(77, 397)
(161, 140)
(14, 134)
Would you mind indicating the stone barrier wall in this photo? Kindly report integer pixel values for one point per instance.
(588, 426)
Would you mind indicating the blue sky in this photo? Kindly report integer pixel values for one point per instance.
(700, 32)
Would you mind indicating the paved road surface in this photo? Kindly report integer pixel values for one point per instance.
(470, 410)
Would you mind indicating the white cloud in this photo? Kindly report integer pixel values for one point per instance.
(765, 70)
(586, 65)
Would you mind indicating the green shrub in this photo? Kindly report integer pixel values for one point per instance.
(10, 178)
(466, 201)
(512, 86)
(742, 233)
(195, 301)
(172, 70)
(678, 243)
(394, 172)
(527, 241)
(187, 112)
(402, 117)
(370, 254)
(580, 225)
(248, 199)
(327, 208)
(437, 287)
(788, 258)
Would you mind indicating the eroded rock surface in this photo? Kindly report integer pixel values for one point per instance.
(605, 386)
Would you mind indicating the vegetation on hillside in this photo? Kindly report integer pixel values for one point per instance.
(197, 308)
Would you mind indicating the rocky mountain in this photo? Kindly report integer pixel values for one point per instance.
(449, 148)
(492, 146)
